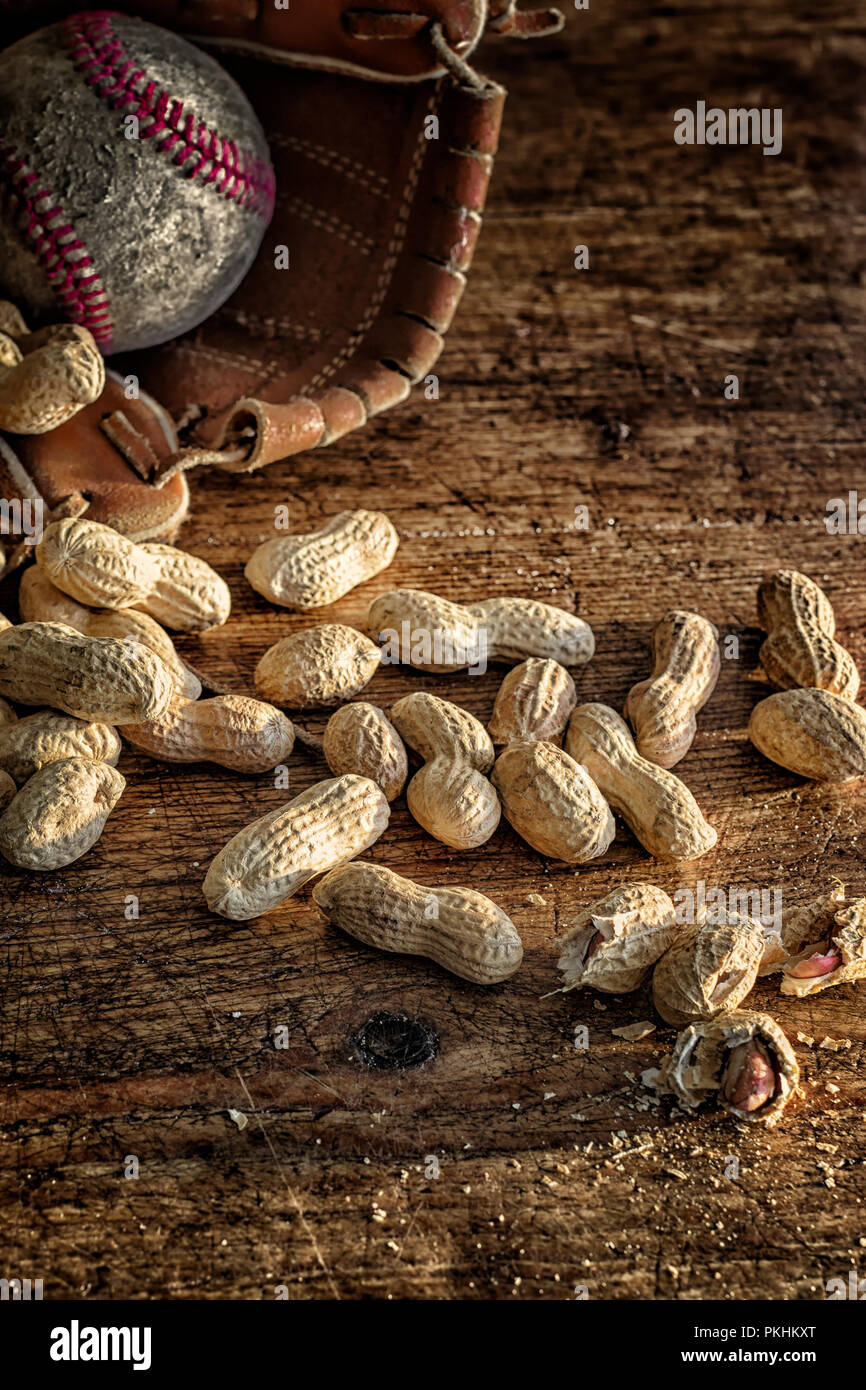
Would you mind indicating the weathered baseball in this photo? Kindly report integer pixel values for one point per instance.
(135, 180)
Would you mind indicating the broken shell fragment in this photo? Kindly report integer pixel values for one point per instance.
(613, 943)
(709, 969)
(841, 960)
(743, 1059)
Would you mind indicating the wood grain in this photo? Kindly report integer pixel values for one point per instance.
(558, 389)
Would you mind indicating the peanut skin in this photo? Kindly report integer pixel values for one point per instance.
(748, 1079)
(739, 1059)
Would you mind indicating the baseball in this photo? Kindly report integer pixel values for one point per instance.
(135, 180)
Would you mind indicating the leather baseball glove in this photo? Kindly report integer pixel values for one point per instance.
(383, 138)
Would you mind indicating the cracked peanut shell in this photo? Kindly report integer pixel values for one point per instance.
(712, 1059)
(842, 960)
(709, 970)
(612, 944)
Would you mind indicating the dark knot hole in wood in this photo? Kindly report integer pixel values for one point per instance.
(395, 1042)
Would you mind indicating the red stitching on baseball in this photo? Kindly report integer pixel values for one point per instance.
(99, 55)
(81, 294)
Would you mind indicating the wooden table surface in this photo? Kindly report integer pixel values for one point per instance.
(509, 1165)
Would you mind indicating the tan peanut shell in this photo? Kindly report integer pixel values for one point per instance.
(95, 678)
(7, 713)
(653, 802)
(613, 943)
(94, 564)
(319, 666)
(450, 796)
(847, 945)
(662, 710)
(59, 814)
(268, 861)
(696, 1069)
(49, 737)
(312, 570)
(189, 596)
(552, 802)
(811, 732)
(8, 789)
(359, 738)
(97, 566)
(40, 389)
(229, 730)
(41, 602)
(434, 634)
(533, 702)
(458, 928)
(710, 969)
(4, 622)
(800, 649)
